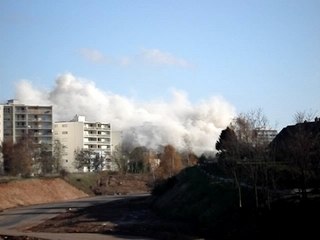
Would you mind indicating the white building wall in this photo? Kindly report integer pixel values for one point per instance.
(78, 134)
(1, 124)
(116, 138)
(70, 134)
(20, 119)
(1, 138)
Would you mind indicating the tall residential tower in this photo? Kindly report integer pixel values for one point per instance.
(18, 120)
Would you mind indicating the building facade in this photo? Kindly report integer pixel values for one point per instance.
(1, 124)
(1, 140)
(79, 134)
(265, 136)
(19, 120)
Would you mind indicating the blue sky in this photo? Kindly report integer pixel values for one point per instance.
(255, 54)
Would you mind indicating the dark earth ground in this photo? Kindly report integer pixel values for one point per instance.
(18, 238)
(131, 217)
(134, 217)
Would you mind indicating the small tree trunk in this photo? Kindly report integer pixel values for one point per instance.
(238, 187)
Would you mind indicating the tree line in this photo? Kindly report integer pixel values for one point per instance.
(163, 163)
(290, 161)
(25, 157)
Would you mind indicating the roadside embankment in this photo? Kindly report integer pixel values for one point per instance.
(211, 206)
(36, 191)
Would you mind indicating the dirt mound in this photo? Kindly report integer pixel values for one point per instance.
(36, 191)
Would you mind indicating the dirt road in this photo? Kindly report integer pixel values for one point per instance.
(17, 222)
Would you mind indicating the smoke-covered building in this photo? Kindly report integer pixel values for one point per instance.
(78, 134)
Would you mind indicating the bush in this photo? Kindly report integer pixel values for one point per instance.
(162, 186)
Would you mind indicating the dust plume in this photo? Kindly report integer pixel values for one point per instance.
(176, 121)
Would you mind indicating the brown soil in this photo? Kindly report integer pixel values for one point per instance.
(122, 184)
(36, 191)
(132, 217)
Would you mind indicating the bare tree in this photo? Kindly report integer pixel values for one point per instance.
(139, 160)
(241, 149)
(8, 151)
(83, 159)
(170, 161)
(58, 152)
(229, 155)
(120, 155)
(1, 161)
(43, 159)
(153, 163)
(298, 147)
(302, 116)
(19, 157)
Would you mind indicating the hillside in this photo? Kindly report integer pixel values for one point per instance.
(213, 210)
(104, 183)
(36, 191)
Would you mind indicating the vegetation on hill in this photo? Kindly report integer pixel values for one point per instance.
(109, 183)
(212, 207)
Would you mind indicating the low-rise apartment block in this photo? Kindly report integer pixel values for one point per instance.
(79, 134)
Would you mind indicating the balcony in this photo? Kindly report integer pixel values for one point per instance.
(40, 110)
(20, 111)
(39, 126)
(99, 127)
(39, 119)
(42, 134)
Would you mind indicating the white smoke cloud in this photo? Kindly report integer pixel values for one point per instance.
(30, 95)
(176, 121)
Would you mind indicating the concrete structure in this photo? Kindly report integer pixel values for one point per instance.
(1, 139)
(1, 124)
(79, 134)
(265, 136)
(18, 120)
(116, 139)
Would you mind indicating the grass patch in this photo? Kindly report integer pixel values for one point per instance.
(83, 181)
(211, 206)
(191, 196)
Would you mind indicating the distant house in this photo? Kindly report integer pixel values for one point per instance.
(302, 137)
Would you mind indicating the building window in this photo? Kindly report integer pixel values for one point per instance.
(65, 132)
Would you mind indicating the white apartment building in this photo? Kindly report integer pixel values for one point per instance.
(79, 134)
(18, 120)
(1, 124)
(1, 139)
(265, 136)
